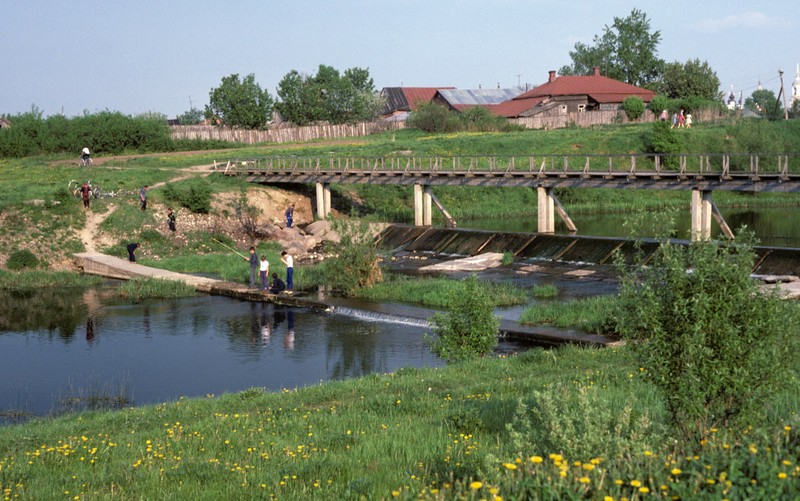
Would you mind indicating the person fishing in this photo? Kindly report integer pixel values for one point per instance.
(253, 260)
(277, 285)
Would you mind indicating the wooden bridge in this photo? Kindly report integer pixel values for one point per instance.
(701, 174)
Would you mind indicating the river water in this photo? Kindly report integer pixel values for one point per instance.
(62, 348)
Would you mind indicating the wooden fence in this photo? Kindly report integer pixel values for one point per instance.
(282, 134)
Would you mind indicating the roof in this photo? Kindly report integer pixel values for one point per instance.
(407, 98)
(472, 97)
(597, 88)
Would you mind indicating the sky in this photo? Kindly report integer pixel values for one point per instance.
(165, 56)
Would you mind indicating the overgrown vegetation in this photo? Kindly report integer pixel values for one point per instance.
(469, 328)
(706, 335)
(436, 118)
(355, 264)
(21, 259)
(439, 292)
(634, 107)
(194, 194)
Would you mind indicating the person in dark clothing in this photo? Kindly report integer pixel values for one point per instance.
(253, 260)
(85, 192)
(289, 216)
(131, 249)
(143, 197)
(171, 220)
(277, 285)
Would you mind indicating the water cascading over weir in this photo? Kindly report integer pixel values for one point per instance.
(551, 247)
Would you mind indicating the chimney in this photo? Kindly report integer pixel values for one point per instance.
(597, 71)
(552, 76)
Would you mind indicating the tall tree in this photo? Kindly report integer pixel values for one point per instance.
(627, 51)
(689, 79)
(764, 102)
(240, 103)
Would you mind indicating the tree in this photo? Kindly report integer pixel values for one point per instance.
(626, 51)
(328, 96)
(193, 116)
(634, 107)
(240, 103)
(690, 79)
(764, 102)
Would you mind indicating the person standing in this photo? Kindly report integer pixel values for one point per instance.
(85, 191)
(288, 260)
(681, 119)
(289, 215)
(131, 249)
(663, 116)
(143, 197)
(263, 272)
(171, 220)
(688, 120)
(253, 260)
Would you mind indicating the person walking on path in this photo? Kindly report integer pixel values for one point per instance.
(85, 191)
(171, 220)
(143, 197)
(288, 260)
(86, 158)
(681, 119)
(263, 272)
(277, 285)
(289, 215)
(253, 260)
(688, 120)
(131, 249)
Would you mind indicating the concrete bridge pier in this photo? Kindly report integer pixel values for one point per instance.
(323, 200)
(703, 208)
(547, 208)
(424, 200)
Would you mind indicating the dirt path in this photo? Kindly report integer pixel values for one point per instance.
(89, 234)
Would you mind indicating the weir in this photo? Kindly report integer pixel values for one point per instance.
(564, 248)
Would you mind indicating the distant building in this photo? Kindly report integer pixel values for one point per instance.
(4, 123)
(562, 95)
(402, 100)
(796, 87)
(462, 100)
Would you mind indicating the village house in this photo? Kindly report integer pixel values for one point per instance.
(562, 95)
(402, 100)
(462, 100)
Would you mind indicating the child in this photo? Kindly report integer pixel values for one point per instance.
(287, 259)
(263, 272)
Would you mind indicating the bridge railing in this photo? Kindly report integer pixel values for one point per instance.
(723, 165)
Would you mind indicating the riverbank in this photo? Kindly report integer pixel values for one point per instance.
(529, 425)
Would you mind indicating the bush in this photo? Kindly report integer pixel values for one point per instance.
(356, 263)
(469, 329)
(663, 140)
(21, 259)
(194, 195)
(433, 117)
(633, 107)
(712, 342)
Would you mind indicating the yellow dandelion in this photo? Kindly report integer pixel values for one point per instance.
(781, 475)
(395, 494)
(584, 480)
(510, 466)
(588, 467)
(635, 483)
(494, 490)
(676, 471)
(644, 490)
(536, 459)
(475, 485)
(608, 498)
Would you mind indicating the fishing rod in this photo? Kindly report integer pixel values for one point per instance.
(229, 247)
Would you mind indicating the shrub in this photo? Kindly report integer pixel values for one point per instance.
(433, 117)
(663, 140)
(21, 259)
(633, 107)
(356, 263)
(469, 329)
(194, 195)
(712, 342)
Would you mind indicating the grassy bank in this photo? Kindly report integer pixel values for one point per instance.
(139, 289)
(530, 426)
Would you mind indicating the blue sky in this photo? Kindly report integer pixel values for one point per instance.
(156, 55)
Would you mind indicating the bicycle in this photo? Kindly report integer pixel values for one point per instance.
(86, 161)
(75, 188)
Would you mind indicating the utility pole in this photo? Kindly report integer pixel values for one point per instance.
(785, 109)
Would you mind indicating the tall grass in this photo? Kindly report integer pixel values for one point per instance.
(139, 289)
(42, 279)
(592, 314)
(438, 292)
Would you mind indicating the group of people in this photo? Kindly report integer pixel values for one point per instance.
(679, 120)
(277, 286)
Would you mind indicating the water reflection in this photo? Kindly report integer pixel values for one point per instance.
(161, 350)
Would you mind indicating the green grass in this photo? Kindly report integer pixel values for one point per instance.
(138, 289)
(42, 279)
(545, 291)
(511, 424)
(437, 292)
(591, 314)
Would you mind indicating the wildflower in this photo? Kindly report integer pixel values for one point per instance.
(635, 483)
(584, 480)
(536, 459)
(676, 471)
(395, 494)
(782, 475)
(510, 466)
(476, 485)
(608, 498)
(588, 467)
(644, 490)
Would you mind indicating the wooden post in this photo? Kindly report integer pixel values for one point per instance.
(418, 219)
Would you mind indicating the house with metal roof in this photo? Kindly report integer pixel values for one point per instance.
(406, 99)
(562, 95)
(463, 99)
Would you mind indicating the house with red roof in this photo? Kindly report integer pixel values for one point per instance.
(563, 95)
